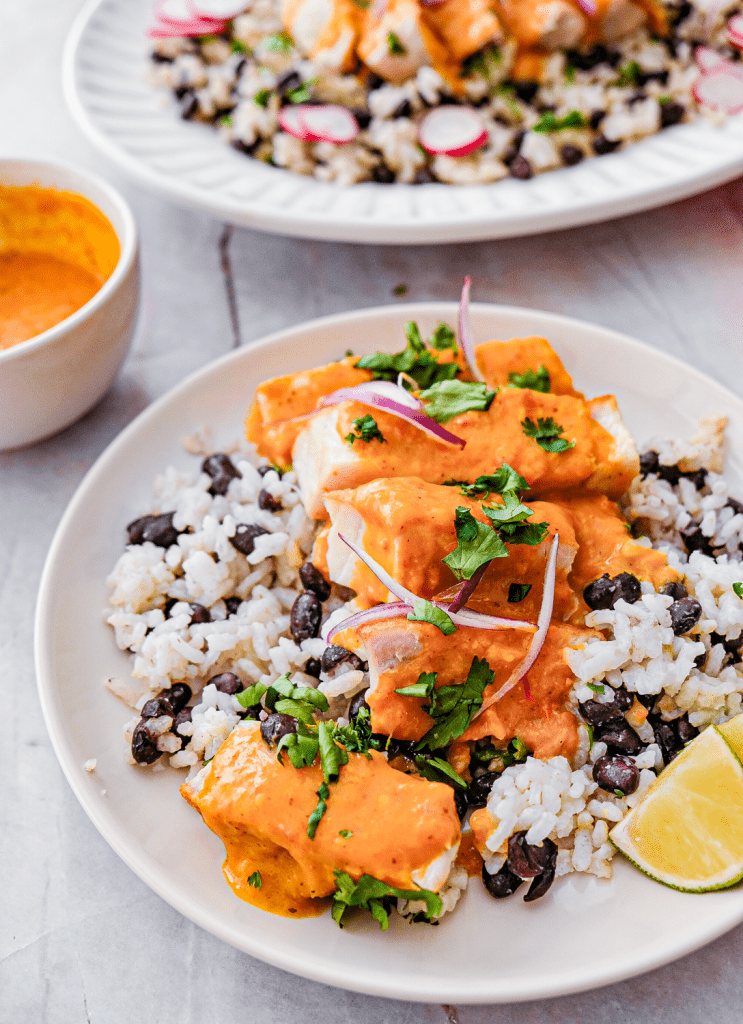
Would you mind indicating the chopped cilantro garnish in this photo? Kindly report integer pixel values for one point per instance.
(538, 380)
(364, 429)
(303, 92)
(452, 707)
(226, 121)
(589, 730)
(301, 746)
(629, 73)
(363, 5)
(484, 62)
(443, 337)
(416, 360)
(255, 880)
(436, 769)
(376, 897)
(596, 687)
(203, 40)
(620, 793)
(400, 289)
(549, 122)
(476, 544)
(449, 398)
(299, 701)
(345, 834)
(663, 100)
(425, 611)
(504, 479)
(517, 592)
(262, 97)
(332, 756)
(315, 818)
(509, 519)
(238, 46)
(569, 73)
(394, 46)
(738, 588)
(423, 688)
(547, 434)
(279, 42)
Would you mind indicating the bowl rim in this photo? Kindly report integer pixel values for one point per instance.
(128, 241)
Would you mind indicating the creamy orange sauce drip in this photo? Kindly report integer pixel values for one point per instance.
(56, 250)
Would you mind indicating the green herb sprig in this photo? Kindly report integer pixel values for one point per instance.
(365, 429)
(546, 432)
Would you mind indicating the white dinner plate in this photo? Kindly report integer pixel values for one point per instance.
(134, 123)
(583, 933)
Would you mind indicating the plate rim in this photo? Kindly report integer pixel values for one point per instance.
(602, 206)
(114, 835)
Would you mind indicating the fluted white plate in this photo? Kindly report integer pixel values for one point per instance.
(583, 933)
(138, 127)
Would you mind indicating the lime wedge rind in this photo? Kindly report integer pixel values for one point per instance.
(712, 747)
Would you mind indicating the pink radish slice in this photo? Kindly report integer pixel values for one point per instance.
(466, 342)
(290, 123)
(720, 89)
(452, 131)
(183, 28)
(328, 123)
(217, 9)
(735, 31)
(708, 59)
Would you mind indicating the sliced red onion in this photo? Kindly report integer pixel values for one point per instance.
(379, 611)
(537, 641)
(720, 89)
(408, 380)
(170, 30)
(465, 617)
(400, 406)
(588, 7)
(708, 59)
(468, 587)
(452, 131)
(328, 123)
(465, 332)
(291, 123)
(735, 31)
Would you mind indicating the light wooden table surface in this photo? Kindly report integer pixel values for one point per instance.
(81, 938)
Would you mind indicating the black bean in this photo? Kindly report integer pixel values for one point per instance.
(503, 883)
(596, 713)
(685, 730)
(199, 613)
(221, 469)
(735, 505)
(614, 772)
(700, 660)
(627, 588)
(681, 13)
(358, 701)
(622, 699)
(460, 802)
(520, 168)
(314, 581)
(694, 539)
(479, 789)
(363, 116)
(243, 147)
(527, 860)
(571, 155)
(526, 90)
(180, 91)
(585, 60)
(177, 696)
(605, 592)
(698, 477)
(447, 100)
(671, 736)
(732, 647)
(287, 81)
(144, 750)
(305, 618)
(403, 109)
(245, 536)
(675, 590)
(398, 748)
(648, 463)
(312, 667)
(268, 503)
(602, 145)
(620, 738)
(227, 682)
(685, 614)
(374, 82)
(597, 116)
(542, 882)
(232, 604)
(157, 706)
(253, 712)
(157, 530)
(182, 717)
(189, 105)
(159, 58)
(383, 174)
(637, 95)
(334, 656)
(647, 700)
(424, 176)
(670, 113)
(276, 726)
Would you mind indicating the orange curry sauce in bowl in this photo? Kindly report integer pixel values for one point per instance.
(56, 252)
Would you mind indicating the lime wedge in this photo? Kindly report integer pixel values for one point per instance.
(687, 831)
(733, 733)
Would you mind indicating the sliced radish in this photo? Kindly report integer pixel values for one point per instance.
(707, 58)
(328, 123)
(218, 9)
(183, 28)
(735, 31)
(720, 89)
(290, 123)
(452, 131)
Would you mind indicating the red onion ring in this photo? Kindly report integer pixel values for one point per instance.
(588, 7)
(537, 641)
(370, 394)
(465, 332)
(379, 611)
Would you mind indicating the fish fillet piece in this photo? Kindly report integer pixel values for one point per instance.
(464, 26)
(418, 45)
(604, 459)
(399, 650)
(325, 30)
(404, 829)
(497, 359)
(407, 525)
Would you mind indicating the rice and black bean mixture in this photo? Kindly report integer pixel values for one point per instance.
(587, 103)
(215, 592)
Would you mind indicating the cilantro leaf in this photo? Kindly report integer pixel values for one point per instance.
(629, 73)
(738, 588)
(394, 46)
(549, 122)
(301, 746)
(344, 833)
(302, 93)
(262, 97)
(443, 337)
(365, 429)
(423, 688)
(315, 818)
(251, 695)
(255, 880)
(332, 756)
(279, 42)
(449, 398)
(453, 706)
(432, 768)
(416, 360)
(536, 381)
(502, 480)
(238, 46)
(476, 544)
(596, 687)
(425, 611)
(547, 434)
(356, 736)
(517, 592)
(375, 896)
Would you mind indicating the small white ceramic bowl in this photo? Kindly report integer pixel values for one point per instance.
(51, 380)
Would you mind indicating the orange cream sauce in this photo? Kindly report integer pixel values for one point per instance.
(260, 809)
(56, 251)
